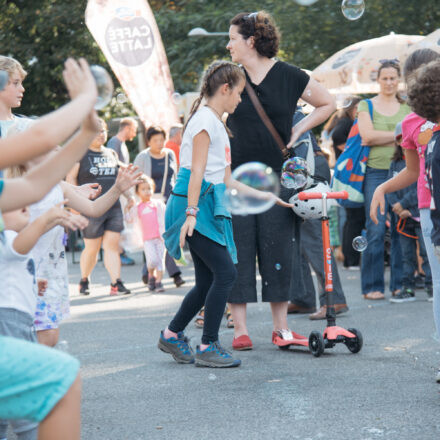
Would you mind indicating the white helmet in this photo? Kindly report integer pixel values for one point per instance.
(312, 208)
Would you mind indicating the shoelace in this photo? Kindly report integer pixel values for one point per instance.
(285, 334)
(183, 344)
(220, 350)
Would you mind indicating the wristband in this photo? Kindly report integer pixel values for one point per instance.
(192, 210)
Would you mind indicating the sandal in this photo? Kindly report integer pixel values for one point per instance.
(200, 318)
(229, 319)
(374, 296)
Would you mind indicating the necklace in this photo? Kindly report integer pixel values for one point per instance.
(215, 111)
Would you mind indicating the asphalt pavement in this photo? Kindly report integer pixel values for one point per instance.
(132, 391)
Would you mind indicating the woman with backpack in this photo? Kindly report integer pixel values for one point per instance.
(378, 134)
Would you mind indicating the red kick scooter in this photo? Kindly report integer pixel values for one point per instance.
(333, 334)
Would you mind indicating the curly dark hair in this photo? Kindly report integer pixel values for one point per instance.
(416, 59)
(424, 91)
(262, 27)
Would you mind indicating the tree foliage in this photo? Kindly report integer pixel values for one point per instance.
(43, 33)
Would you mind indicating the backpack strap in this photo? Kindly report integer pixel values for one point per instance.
(370, 108)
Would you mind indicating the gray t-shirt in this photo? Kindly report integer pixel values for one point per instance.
(121, 149)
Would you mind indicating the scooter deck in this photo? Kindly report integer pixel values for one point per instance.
(297, 340)
(332, 333)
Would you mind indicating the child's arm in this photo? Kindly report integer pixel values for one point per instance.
(198, 165)
(405, 178)
(127, 177)
(56, 127)
(35, 184)
(27, 238)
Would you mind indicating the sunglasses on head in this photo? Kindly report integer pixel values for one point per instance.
(394, 61)
(252, 16)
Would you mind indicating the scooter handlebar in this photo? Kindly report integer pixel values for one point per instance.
(318, 195)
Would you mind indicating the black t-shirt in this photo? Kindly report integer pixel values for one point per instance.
(99, 167)
(278, 93)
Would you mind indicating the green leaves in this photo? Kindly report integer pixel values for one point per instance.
(49, 31)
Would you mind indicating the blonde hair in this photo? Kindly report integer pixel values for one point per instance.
(217, 74)
(12, 66)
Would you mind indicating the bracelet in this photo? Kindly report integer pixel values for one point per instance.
(192, 210)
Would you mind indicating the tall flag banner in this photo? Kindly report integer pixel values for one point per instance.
(127, 34)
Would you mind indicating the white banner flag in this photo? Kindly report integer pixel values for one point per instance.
(129, 37)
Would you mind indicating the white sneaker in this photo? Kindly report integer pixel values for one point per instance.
(286, 334)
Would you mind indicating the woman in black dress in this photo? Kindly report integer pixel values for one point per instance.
(253, 43)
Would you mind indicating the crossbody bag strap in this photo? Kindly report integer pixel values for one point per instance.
(267, 122)
(165, 174)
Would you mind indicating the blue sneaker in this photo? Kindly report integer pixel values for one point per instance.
(215, 356)
(178, 348)
(126, 261)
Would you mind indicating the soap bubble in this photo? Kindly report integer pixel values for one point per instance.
(104, 84)
(176, 97)
(305, 2)
(353, 9)
(294, 173)
(212, 377)
(257, 176)
(360, 243)
(4, 78)
(121, 98)
(278, 266)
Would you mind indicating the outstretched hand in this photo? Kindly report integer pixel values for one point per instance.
(128, 177)
(57, 215)
(79, 79)
(89, 190)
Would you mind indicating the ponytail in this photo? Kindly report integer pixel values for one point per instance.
(217, 74)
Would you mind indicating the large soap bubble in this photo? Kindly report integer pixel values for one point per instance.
(257, 176)
(353, 9)
(360, 243)
(104, 85)
(294, 173)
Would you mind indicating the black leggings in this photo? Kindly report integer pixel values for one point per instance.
(215, 275)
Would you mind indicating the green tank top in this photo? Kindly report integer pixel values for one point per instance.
(380, 155)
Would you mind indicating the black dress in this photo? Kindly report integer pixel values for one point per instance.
(268, 236)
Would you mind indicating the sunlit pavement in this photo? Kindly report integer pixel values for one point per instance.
(131, 390)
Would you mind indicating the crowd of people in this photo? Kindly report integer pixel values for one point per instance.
(175, 191)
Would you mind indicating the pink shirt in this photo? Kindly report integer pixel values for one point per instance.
(151, 215)
(417, 132)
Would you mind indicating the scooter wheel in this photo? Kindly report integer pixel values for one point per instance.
(354, 344)
(316, 343)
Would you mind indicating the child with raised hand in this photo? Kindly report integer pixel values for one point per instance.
(18, 296)
(53, 305)
(34, 141)
(38, 383)
(417, 133)
(195, 213)
(151, 213)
